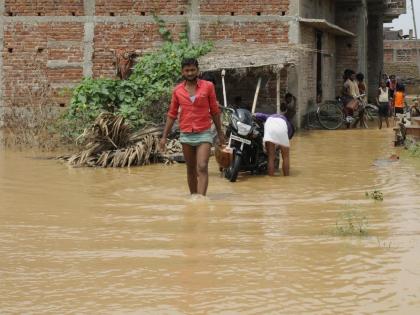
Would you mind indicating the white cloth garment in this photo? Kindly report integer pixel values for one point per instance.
(383, 96)
(275, 131)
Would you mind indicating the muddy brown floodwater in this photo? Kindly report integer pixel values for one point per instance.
(131, 241)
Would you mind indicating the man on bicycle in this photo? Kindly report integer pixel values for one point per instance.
(350, 94)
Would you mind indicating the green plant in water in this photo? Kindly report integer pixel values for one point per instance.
(351, 223)
(143, 99)
(376, 195)
(413, 147)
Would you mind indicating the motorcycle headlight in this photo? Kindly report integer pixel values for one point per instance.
(234, 122)
(243, 129)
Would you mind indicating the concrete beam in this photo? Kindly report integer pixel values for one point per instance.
(52, 43)
(89, 34)
(63, 85)
(63, 64)
(134, 19)
(88, 49)
(293, 21)
(246, 18)
(194, 21)
(89, 7)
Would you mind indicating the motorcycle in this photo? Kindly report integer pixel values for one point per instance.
(245, 134)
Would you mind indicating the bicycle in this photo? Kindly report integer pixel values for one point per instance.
(331, 115)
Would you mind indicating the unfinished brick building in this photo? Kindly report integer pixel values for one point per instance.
(309, 42)
(402, 58)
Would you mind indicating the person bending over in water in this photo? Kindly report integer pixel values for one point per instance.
(277, 132)
(194, 100)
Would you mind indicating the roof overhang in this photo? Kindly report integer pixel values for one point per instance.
(246, 55)
(324, 25)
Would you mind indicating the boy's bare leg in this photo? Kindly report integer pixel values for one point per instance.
(203, 155)
(271, 152)
(285, 155)
(191, 161)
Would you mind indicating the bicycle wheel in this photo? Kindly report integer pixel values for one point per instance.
(330, 116)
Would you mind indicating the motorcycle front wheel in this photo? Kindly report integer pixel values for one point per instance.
(231, 173)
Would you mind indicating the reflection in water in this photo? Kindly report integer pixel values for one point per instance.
(133, 241)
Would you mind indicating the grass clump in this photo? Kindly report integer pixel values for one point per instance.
(376, 195)
(413, 147)
(351, 223)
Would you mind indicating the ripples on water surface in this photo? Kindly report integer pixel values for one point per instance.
(130, 241)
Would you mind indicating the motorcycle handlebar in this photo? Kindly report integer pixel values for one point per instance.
(225, 108)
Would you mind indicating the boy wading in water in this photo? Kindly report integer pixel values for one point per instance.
(194, 101)
(382, 100)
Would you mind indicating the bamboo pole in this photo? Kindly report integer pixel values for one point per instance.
(416, 36)
(224, 87)
(254, 104)
(278, 91)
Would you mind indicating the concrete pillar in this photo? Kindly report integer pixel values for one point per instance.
(194, 22)
(375, 53)
(1, 57)
(295, 71)
(362, 39)
(89, 32)
(294, 29)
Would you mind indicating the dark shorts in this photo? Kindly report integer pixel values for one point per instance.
(399, 110)
(383, 109)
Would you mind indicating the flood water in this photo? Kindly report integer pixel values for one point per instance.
(131, 241)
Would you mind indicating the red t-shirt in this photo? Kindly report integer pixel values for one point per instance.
(194, 116)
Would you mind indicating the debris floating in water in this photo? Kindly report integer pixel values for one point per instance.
(376, 195)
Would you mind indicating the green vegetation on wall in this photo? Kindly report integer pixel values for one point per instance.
(143, 99)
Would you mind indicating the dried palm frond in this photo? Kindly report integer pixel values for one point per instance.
(109, 142)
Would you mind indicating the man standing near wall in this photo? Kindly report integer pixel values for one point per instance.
(194, 100)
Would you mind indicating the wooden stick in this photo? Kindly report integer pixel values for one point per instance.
(224, 87)
(278, 92)
(254, 104)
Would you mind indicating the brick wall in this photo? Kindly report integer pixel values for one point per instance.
(143, 36)
(403, 70)
(42, 7)
(388, 55)
(141, 7)
(48, 41)
(307, 71)
(246, 32)
(400, 50)
(400, 59)
(346, 47)
(244, 7)
(31, 55)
